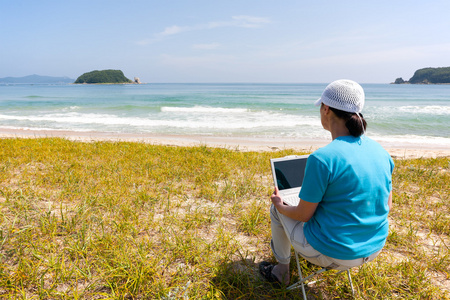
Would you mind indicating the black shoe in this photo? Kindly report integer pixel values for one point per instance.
(265, 268)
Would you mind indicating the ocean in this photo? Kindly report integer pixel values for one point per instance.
(395, 113)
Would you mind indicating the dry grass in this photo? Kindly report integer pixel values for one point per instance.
(118, 220)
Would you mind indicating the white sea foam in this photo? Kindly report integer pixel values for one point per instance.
(203, 109)
(430, 109)
(413, 139)
(47, 129)
(222, 121)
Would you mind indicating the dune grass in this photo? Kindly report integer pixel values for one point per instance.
(122, 220)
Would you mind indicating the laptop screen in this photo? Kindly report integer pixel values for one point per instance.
(290, 173)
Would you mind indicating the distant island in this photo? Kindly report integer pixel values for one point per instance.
(104, 77)
(428, 76)
(94, 77)
(36, 79)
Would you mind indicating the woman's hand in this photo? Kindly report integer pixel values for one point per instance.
(302, 212)
(276, 198)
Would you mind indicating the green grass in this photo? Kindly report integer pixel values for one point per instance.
(119, 220)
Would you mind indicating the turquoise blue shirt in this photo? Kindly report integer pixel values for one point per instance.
(351, 179)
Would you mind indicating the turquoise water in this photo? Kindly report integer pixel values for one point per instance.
(417, 113)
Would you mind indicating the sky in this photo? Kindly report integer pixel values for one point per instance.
(233, 41)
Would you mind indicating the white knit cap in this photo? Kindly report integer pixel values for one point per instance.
(343, 94)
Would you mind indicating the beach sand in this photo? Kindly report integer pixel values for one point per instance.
(397, 150)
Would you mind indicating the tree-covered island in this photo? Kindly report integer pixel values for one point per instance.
(103, 77)
(428, 76)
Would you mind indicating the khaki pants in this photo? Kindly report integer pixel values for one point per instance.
(287, 232)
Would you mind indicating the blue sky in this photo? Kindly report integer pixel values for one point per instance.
(225, 41)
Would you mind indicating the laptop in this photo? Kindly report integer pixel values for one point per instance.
(288, 173)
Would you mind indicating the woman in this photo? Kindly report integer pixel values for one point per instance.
(341, 220)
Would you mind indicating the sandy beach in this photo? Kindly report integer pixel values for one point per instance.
(397, 150)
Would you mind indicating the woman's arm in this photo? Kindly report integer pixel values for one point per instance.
(302, 212)
(390, 201)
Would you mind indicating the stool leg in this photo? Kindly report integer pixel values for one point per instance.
(351, 282)
(300, 282)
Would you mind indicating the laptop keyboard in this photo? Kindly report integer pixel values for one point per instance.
(291, 200)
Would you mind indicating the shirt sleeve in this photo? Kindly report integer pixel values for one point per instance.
(391, 161)
(316, 180)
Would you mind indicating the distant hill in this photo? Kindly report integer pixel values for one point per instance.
(37, 79)
(428, 76)
(104, 76)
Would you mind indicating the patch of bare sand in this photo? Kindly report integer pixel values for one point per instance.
(431, 244)
(397, 150)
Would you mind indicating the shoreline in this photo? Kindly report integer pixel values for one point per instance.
(397, 150)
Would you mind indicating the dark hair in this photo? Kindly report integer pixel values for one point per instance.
(355, 125)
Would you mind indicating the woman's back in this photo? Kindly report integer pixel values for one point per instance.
(351, 180)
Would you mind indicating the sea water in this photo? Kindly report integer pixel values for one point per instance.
(403, 113)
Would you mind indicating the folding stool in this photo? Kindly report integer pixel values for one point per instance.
(302, 280)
